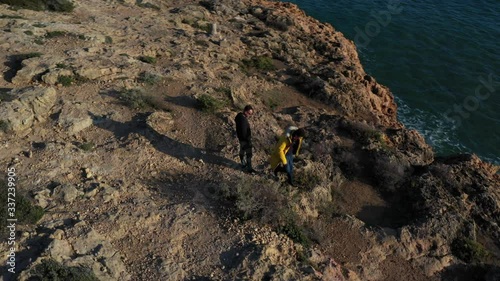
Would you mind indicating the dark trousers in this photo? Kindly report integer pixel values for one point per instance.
(288, 168)
(246, 154)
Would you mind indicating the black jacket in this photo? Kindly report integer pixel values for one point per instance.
(242, 128)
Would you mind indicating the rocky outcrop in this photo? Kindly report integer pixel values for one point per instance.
(29, 106)
(141, 195)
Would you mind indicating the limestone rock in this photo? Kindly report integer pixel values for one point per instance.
(60, 250)
(66, 193)
(32, 105)
(161, 122)
(74, 118)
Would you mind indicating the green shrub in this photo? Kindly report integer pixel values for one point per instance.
(210, 104)
(137, 99)
(469, 250)
(65, 80)
(202, 43)
(62, 65)
(147, 59)
(10, 17)
(307, 180)
(224, 90)
(86, 146)
(267, 202)
(295, 232)
(263, 63)
(4, 126)
(51, 270)
(207, 27)
(149, 78)
(41, 5)
(148, 5)
(55, 34)
(108, 40)
(22, 57)
(28, 32)
(25, 212)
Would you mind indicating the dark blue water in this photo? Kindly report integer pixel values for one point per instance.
(441, 59)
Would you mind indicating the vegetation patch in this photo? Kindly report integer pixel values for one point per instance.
(87, 146)
(51, 270)
(148, 5)
(65, 80)
(469, 250)
(295, 232)
(201, 25)
(268, 203)
(55, 34)
(224, 90)
(41, 5)
(209, 104)
(262, 63)
(108, 40)
(307, 180)
(149, 78)
(4, 126)
(9, 16)
(138, 99)
(147, 59)
(62, 66)
(26, 212)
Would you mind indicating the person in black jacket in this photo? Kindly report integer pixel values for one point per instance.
(245, 137)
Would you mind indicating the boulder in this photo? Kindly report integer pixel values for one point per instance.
(74, 118)
(30, 106)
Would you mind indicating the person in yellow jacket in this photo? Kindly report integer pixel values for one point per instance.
(286, 149)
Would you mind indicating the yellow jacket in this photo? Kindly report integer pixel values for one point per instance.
(280, 150)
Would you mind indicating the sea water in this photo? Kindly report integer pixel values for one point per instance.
(441, 60)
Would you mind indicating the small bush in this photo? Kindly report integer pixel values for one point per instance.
(149, 78)
(201, 43)
(87, 146)
(268, 203)
(147, 59)
(51, 270)
(295, 232)
(210, 104)
(4, 126)
(224, 90)
(148, 5)
(25, 212)
(55, 34)
(207, 27)
(41, 5)
(259, 199)
(62, 65)
(108, 40)
(28, 32)
(22, 57)
(9, 16)
(263, 63)
(469, 250)
(65, 80)
(307, 180)
(137, 99)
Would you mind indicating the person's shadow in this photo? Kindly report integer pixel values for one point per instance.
(165, 144)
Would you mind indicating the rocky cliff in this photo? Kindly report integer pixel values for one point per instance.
(118, 119)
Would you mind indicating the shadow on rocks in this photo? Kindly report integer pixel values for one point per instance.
(162, 143)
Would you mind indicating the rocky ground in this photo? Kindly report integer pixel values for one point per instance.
(100, 116)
